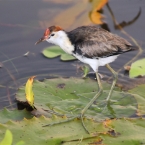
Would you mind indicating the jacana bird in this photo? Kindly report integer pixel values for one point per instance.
(91, 45)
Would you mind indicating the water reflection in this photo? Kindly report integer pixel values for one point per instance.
(124, 23)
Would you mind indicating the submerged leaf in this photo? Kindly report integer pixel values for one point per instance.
(29, 92)
(137, 68)
(54, 51)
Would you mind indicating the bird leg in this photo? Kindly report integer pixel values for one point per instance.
(92, 101)
(115, 75)
(86, 107)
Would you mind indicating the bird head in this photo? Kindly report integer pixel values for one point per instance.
(50, 34)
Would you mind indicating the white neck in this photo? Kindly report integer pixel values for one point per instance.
(61, 39)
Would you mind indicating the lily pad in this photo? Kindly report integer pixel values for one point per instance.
(32, 132)
(139, 94)
(117, 131)
(130, 132)
(55, 51)
(15, 115)
(66, 97)
(69, 96)
(122, 105)
(137, 68)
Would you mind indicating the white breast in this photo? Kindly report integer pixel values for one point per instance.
(95, 63)
(61, 39)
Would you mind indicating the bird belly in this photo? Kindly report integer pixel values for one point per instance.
(106, 60)
(95, 62)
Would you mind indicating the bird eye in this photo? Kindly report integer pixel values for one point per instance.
(52, 34)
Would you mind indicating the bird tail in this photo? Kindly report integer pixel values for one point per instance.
(133, 48)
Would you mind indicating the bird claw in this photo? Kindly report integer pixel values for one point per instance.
(70, 119)
(64, 121)
(106, 104)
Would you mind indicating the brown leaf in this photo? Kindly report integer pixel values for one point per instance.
(107, 123)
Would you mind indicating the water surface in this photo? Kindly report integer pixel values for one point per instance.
(22, 23)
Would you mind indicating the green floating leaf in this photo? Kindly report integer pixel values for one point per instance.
(8, 138)
(32, 132)
(67, 57)
(115, 131)
(120, 132)
(68, 96)
(15, 115)
(55, 51)
(120, 107)
(137, 68)
(129, 131)
(139, 94)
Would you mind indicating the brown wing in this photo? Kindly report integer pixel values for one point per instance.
(92, 41)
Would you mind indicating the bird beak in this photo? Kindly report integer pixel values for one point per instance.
(41, 40)
(45, 36)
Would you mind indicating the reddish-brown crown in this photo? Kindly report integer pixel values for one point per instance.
(47, 32)
(55, 28)
(52, 29)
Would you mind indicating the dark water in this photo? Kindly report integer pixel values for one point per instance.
(22, 22)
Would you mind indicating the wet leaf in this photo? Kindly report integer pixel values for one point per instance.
(139, 94)
(15, 115)
(137, 68)
(7, 140)
(118, 131)
(131, 132)
(32, 132)
(67, 57)
(68, 96)
(73, 94)
(55, 51)
(29, 92)
(120, 108)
